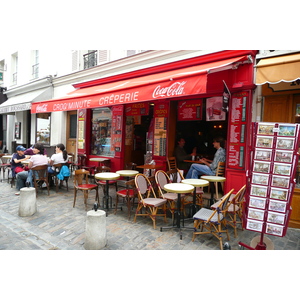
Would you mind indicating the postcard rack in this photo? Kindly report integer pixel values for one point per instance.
(270, 179)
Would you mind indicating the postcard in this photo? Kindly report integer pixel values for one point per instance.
(254, 225)
(260, 178)
(263, 154)
(264, 142)
(274, 229)
(283, 156)
(256, 214)
(282, 169)
(287, 129)
(280, 181)
(265, 128)
(276, 205)
(257, 202)
(280, 194)
(263, 167)
(285, 143)
(258, 190)
(276, 218)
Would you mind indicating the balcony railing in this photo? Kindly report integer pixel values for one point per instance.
(90, 59)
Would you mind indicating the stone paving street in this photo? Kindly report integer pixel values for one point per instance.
(58, 226)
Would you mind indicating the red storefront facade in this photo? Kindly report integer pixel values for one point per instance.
(169, 89)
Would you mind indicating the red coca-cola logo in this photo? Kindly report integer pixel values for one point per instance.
(177, 88)
(41, 108)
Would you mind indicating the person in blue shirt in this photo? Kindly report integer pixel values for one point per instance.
(205, 166)
(16, 161)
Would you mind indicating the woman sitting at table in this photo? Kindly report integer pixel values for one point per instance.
(60, 157)
(208, 167)
(38, 159)
(16, 161)
(181, 155)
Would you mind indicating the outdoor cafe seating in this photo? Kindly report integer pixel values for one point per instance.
(212, 221)
(81, 183)
(148, 203)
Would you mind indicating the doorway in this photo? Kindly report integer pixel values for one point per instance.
(71, 132)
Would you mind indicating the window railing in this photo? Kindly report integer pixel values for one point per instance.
(90, 59)
(35, 71)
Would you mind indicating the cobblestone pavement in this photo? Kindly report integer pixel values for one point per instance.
(57, 225)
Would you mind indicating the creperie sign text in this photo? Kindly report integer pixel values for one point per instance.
(175, 89)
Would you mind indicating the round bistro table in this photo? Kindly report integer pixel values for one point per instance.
(127, 173)
(178, 188)
(212, 180)
(100, 160)
(107, 176)
(196, 183)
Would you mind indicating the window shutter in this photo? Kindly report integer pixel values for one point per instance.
(75, 60)
(102, 56)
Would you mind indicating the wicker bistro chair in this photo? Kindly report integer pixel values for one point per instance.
(162, 178)
(235, 209)
(81, 183)
(212, 220)
(40, 176)
(129, 194)
(150, 205)
(4, 165)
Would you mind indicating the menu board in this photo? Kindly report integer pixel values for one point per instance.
(81, 128)
(116, 128)
(271, 177)
(190, 110)
(137, 109)
(160, 128)
(237, 129)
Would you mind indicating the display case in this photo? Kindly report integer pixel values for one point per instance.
(272, 177)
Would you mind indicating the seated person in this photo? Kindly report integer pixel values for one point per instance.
(38, 159)
(181, 155)
(16, 161)
(208, 167)
(60, 157)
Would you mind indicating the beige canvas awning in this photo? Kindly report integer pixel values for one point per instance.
(278, 69)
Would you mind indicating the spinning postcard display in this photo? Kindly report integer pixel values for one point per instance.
(273, 163)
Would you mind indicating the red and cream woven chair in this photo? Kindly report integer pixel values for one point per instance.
(148, 206)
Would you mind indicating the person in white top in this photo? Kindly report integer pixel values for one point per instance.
(60, 157)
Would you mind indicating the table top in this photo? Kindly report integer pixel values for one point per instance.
(193, 161)
(213, 178)
(127, 173)
(100, 159)
(7, 156)
(107, 176)
(196, 182)
(150, 166)
(178, 188)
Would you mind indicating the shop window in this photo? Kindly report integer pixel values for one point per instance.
(43, 128)
(101, 132)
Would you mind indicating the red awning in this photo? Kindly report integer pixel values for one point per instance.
(175, 83)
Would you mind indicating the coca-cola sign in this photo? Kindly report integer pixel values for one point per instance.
(175, 89)
(41, 108)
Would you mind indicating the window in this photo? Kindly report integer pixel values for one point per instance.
(43, 128)
(101, 132)
(90, 59)
(35, 64)
(14, 68)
